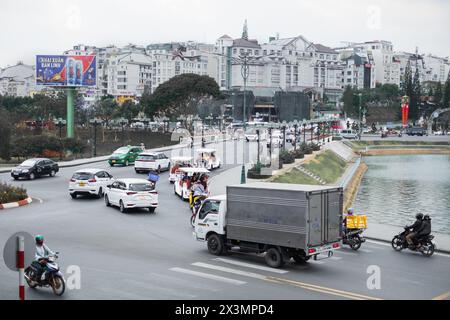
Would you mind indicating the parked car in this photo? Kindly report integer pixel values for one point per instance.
(151, 161)
(131, 193)
(89, 182)
(36, 167)
(349, 134)
(124, 155)
(416, 131)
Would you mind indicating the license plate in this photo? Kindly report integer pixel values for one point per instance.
(82, 184)
(114, 161)
(142, 198)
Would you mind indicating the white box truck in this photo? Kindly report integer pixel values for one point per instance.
(283, 220)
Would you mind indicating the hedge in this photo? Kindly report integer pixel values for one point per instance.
(46, 146)
(10, 193)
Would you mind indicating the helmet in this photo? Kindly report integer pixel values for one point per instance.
(39, 239)
(426, 217)
(350, 211)
(419, 216)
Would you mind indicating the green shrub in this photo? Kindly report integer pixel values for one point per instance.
(298, 154)
(305, 148)
(45, 145)
(315, 146)
(286, 157)
(10, 193)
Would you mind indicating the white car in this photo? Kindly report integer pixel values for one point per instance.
(89, 182)
(131, 193)
(151, 161)
(349, 134)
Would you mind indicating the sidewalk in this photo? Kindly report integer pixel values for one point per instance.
(376, 231)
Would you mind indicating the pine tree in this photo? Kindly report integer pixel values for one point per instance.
(415, 96)
(438, 93)
(348, 99)
(446, 97)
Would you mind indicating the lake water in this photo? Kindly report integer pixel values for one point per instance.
(395, 188)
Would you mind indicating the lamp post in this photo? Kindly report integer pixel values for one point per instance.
(283, 128)
(220, 119)
(257, 133)
(123, 122)
(270, 145)
(295, 134)
(304, 131)
(60, 123)
(203, 135)
(95, 122)
(312, 132)
(359, 116)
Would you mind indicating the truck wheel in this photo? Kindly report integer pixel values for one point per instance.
(215, 244)
(274, 258)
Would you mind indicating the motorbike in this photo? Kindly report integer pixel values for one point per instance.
(50, 277)
(353, 238)
(426, 244)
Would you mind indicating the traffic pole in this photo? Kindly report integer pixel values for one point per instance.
(21, 266)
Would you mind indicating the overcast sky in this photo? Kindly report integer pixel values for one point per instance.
(30, 27)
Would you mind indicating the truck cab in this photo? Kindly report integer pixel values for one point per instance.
(210, 218)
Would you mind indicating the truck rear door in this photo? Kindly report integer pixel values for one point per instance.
(315, 219)
(324, 217)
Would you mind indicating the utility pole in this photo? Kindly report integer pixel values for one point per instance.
(244, 73)
(359, 116)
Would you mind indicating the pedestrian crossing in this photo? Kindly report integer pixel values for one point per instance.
(235, 271)
(223, 269)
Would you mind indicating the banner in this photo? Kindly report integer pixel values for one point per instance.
(405, 111)
(66, 71)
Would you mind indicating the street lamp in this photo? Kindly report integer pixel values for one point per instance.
(283, 128)
(295, 134)
(60, 123)
(304, 131)
(95, 122)
(123, 122)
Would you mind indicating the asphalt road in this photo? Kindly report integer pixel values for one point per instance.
(154, 256)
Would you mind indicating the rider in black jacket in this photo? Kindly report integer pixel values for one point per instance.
(415, 228)
(425, 228)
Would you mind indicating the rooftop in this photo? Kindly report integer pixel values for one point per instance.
(324, 49)
(246, 43)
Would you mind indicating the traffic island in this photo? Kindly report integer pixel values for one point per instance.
(13, 197)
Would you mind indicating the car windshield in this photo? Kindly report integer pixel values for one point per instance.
(121, 151)
(141, 187)
(28, 163)
(82, 176)
(146, 157)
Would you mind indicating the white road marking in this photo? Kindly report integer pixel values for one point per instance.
(251, 265)
(365, 250)
(208, 276)
(230, 270)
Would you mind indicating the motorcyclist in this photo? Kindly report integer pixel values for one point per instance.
(200, 189)
(425, 229)
(414, 228)
(350, 212)
(41, 255)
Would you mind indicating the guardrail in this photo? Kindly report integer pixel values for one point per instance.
(349, 175)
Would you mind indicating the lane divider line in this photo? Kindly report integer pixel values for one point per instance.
(208, 276)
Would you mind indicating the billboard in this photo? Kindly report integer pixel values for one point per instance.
(66, 71)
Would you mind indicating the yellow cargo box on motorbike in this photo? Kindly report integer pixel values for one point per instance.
(356, 222)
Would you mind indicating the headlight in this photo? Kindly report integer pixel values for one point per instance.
(25, 171)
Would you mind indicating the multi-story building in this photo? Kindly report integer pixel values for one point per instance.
(291, 64)
(172, 59)
(129, 74)
(387, 67)
(436, 68)
(359, 68)
(18, 80)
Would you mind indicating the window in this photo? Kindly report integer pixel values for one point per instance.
(256, 52)
(121, 73)
(209, 207)
(234, 50)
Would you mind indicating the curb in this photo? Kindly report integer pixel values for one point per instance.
(387, 241)
(16, 204)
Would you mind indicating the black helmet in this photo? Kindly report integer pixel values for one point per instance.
(419, 216)
(426, 217)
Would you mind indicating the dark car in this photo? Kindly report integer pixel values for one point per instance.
(36, 167)
(415, 131)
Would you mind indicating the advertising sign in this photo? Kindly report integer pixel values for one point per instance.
(66, 71)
